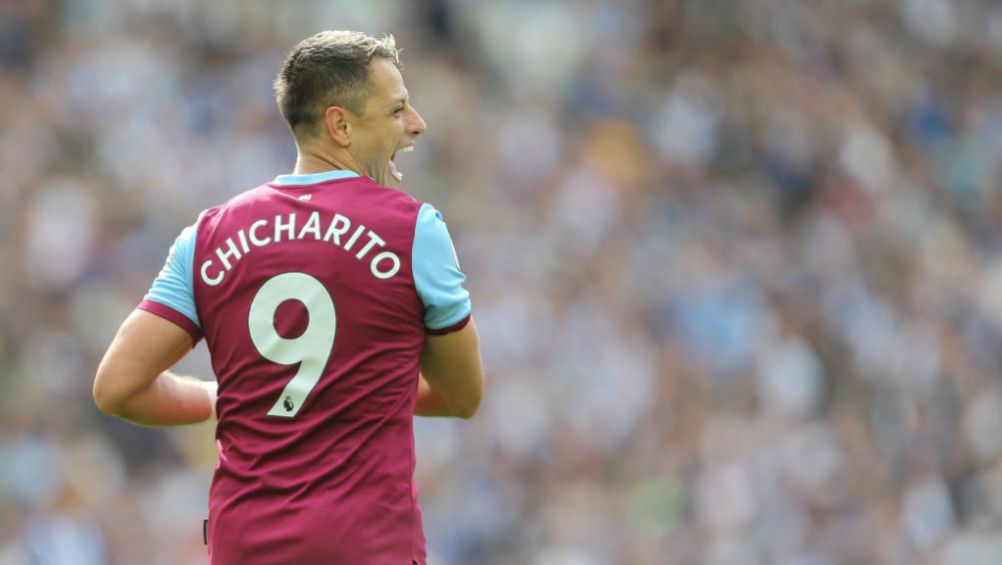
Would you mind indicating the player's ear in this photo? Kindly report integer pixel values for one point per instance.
(338, 125)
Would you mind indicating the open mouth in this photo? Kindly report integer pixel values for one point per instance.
(394, 172)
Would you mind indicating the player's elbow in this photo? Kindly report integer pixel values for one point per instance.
(469, 403)
(464, 410)
(468, 412)
(454, 402)
(106, 402)
(109, 400)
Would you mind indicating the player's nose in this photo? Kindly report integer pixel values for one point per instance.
(416, 126)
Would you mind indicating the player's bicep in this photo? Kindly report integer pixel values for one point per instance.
(145, 346)
(451, 364)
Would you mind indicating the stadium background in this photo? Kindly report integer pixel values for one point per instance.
(736, 266)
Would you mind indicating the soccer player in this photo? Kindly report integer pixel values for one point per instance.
(333, 308)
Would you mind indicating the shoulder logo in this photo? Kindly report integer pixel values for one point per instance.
(306, 197)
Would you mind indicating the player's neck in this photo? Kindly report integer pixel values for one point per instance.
(309, 163)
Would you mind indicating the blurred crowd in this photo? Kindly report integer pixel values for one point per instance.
(736, 265)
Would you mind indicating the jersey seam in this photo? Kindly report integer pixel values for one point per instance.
(194, 287)
(414, 240)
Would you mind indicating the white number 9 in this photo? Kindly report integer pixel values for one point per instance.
(311, 350)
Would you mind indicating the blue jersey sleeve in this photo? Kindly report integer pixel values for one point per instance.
(174, 286)
(437, 276)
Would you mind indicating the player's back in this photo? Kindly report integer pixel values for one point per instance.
(308, 304)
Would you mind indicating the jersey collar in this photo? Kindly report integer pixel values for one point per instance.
(314, 178)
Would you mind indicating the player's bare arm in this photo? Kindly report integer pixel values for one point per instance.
(452, 374)
(133, 381)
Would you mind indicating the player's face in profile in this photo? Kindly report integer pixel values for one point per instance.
(388, 125)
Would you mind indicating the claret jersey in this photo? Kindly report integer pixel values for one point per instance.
(314, 294)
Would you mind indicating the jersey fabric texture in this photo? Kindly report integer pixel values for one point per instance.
(314, 294)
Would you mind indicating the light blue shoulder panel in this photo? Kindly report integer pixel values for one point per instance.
(174, 286)
(437, 276)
